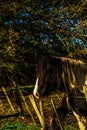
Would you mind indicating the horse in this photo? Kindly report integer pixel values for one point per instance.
(66, 75)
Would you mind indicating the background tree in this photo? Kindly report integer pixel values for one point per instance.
(28, 27)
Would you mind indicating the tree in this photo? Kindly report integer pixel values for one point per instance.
(28, 27)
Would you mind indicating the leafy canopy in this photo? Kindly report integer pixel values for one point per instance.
(33, 27)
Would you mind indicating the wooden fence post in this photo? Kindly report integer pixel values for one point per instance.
(58, 120)
(42, 113)
(41, 119)
(27, 106)
(8, 99)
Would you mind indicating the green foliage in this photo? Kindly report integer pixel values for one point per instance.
(19, 126)
(37, 27)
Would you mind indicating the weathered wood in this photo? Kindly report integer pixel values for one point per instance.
(8, 99)
(27, 107)
(42, 112)
(58, 120)
(37, 111)
(13, 88)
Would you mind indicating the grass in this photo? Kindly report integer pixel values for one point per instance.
(19, 126)
(22, 126)
(70, 128)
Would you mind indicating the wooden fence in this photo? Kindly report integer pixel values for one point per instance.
(20, 101)
(8, 93)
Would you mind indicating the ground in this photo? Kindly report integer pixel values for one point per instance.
(7, 115)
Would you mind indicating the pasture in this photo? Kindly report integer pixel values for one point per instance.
(12, 118)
